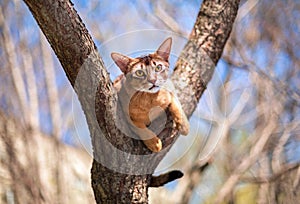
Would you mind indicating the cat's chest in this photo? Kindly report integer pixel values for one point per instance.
(144, 102)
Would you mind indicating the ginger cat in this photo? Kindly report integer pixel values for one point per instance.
(142, 83)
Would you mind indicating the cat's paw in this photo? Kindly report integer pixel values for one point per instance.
(183, 126)
(154, 144)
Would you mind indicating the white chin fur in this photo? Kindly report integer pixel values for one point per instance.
(150, 90)
(153, 90)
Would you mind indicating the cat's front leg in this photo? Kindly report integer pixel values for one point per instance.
(179, 117)
(149, 138)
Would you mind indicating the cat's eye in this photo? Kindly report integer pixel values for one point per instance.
(140, 73)
(158, 68)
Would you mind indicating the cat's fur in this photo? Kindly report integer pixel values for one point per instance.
(143, 81)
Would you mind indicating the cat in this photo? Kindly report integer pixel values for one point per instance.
(143, 81)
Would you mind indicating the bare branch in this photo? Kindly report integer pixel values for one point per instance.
(52, 92)
(168, 20)
(18, 81)
(284, 170)
(277, 152)
(33, 101)
(246, 162)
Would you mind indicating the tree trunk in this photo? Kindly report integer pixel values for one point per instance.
(122, 168)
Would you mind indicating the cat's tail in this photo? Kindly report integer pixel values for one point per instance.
(157, 181)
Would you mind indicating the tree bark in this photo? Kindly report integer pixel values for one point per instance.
(122, 168)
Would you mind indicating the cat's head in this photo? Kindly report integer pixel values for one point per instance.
(147, 73)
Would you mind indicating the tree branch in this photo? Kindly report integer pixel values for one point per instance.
(65, 32)
(274, 177)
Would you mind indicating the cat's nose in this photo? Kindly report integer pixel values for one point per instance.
(152, 81)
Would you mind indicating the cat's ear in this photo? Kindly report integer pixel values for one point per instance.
(165, 49)
(122, 61)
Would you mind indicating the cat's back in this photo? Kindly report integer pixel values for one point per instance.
(117, 83)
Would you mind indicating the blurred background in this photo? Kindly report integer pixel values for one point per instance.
(246, 126)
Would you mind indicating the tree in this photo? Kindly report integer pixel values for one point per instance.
(244, 142)
(86, 72)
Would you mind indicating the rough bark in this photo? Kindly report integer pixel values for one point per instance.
(122, 166)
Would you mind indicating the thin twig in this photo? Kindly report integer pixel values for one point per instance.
(268, 179)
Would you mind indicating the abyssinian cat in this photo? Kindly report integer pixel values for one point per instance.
(142, 80)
